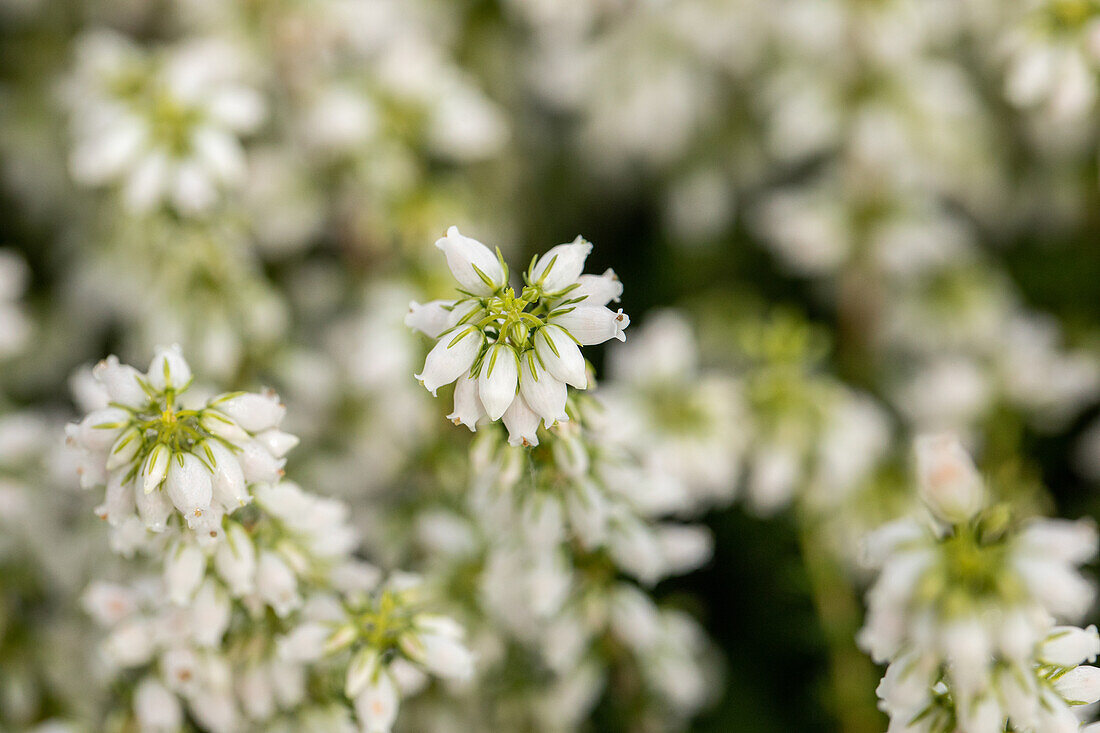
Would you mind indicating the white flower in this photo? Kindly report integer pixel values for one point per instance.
(1069, 646)
(948, 480)
(210, 612)
(155, 468)
(122, 382)
(154, 508)
(235, 561)
(598, 289)
(468, 409)
(183, 572)
(522, 423)
(561, 266)
(561, 355)
(253, 412)
(591, 324)
(276, 584)
(432, 318)
(169, 370)
(450, 358)
(376, 706)
(230, 490)
(545, 395)
(497, 382)
(188, 485)
(157, 709)
(473, 265)
(1080, 685)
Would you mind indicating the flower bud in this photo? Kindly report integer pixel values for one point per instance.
(376, 706)
(441, 654)
(561, 356)
(592, 324)
(560, 266)
(362, 669)
(473, 265)
(1080, 685)
(450, 358)
(169, 370)
(154, 508)
(544, 394)
(235, 561)
(210, 615)
(305, 643)
(155, 708)
(949, 483)
(118, 503)
(155, 468)
(496, 385)
(99, 430)
(121, 381)
(188, 485)
(221, 425)
(258, 465)
(277, 585)
(230, 490)
(276, 442)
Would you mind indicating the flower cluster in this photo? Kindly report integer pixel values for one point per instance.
(166, 126)
(512, 356)
(161, 454)
(965, 609)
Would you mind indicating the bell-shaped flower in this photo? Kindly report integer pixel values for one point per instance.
(276, 442)
(522, 423)
(227, 479)
(258, 465)
(598, 289)
(560, 266)
(561, 356)
(948, 481)
(210, 614)
(364, 667)
(125, 449)
(188, 485)
(252, 411)
(473, 265)
(1068, 646)
(222, 426)
(169, 370)
(450, 358)
(544, 394)
(432, 318)
(305, 643)
(1080, 685)
(235, 561)
(118, 503)
(468, 409)
(183, 571)
(154, 508)
(276, 584)
(99, 430)
(496, 384)
(591, 324)
(157, 710)
(376, 706)
(122, 382)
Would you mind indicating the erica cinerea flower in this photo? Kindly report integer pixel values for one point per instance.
(511, 356)
(965, 610)
(162, 455)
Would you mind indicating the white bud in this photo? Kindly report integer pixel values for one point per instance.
(1080, 685)
(593, 324)
(598, 289)
(169, 369)
(256, 693)
(544, 394)
(183, 571)
(450, 358)
(276, 584)
(1069, 646)
(155, 468)
(156, 708)
(276, 442)
(99, 430)
(230, 488)
(949, 483)
(121, 381)
(124, 449)
(685, 547)
(468, 409)
(108, 603)
(1064, 540)
(376, 706)
(522, 423)
(560, 266)
(235, 561)
(253, 412)
(432, 318)
(465, 256)
(130, 645)
(188, 485)
(210, 614)
(561, 356)
(496, 385)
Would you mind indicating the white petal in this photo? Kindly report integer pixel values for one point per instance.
(560, 266)
(468, 409)
(496, 384)
(544, 394)
(450, 358)
(522, 423)
(590, 324)
(561, 356)
(464, 255)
